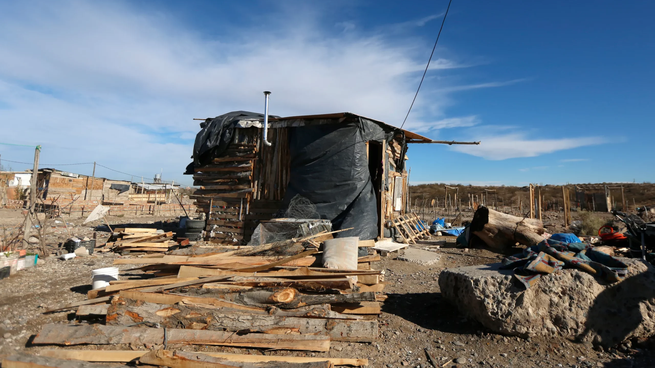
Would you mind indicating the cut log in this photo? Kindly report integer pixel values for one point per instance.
(500, 231)
(33, 361)
(287, 298)
(124, 356)
(181, 359)
(57, 334)
(127, 312)
(316, 311)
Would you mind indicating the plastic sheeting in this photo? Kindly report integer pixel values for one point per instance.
(215, 136)
(330, 168)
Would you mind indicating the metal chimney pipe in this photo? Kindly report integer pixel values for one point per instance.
(266, 142)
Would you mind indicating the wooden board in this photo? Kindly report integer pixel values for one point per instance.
(92, 310)
(361, 308)
(180, 359)
(124, 356)
(32, 361)
(59, 334)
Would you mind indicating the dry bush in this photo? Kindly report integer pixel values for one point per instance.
(590, 223)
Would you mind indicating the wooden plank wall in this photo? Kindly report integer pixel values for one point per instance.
(243, 186)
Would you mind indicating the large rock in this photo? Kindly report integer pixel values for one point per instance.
(569, 303)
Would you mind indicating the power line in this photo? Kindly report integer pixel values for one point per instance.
(428, 65)
(120, 172)
(17, 145)
(81, 163)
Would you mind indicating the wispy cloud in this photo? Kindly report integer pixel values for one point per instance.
(456, 122)
(469, 87)
(514, 145)
(574, 160)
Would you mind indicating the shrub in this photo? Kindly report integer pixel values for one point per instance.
(590, 223)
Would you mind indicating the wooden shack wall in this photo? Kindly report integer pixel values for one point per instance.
(243, 186)
(248, 182)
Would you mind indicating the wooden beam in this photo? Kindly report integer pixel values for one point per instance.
(180, 359)
(58, 334)
(124, 356)
(32, 361)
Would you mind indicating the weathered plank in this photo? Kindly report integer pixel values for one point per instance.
(123, 356)
(180, 359)
(128, 312)
(316, 311)
(32, 361)
(361, 308)
(57, 334)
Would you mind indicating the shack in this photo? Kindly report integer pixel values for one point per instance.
(350, 167)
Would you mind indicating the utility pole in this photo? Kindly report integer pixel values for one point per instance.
(33, 180)
(93, 178)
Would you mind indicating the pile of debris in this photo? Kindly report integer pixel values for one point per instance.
(147, 240)
(268, 297)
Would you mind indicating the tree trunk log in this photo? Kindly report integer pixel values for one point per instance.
(58, 334)
(126, 312)
(501, 231)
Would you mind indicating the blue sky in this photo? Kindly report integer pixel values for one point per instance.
(558, 92)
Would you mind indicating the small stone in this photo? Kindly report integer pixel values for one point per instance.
(504, 355)
(7, 335)
(403, 363)
(461, 360)
(81, 252)
(458, 343)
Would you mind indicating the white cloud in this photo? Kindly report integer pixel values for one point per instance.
(121, 85)
(513, 145)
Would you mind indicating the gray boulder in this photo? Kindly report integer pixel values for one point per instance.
(568, 303)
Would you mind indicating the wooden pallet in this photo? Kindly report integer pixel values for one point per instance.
(410, 228)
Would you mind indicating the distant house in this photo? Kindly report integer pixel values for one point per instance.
(12, 185)
(351, 168)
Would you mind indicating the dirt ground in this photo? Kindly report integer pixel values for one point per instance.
(415, 318)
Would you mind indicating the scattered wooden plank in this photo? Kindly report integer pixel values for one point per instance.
(92, 310)
(373, 258)
(128, 312)
(146, 283)
(32, 361)
(180, 359)
(134, 230)
(100, 300)
(366, 243)
(149, 238)
(58, 334)
(124, 356)
(361, 308)
(368, 279)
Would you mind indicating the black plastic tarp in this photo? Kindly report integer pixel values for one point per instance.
(121, 188)
(215, 136)
(330, 168)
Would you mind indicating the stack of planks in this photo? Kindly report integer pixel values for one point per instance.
(266, 297)
(225, 191)
(140, 240)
